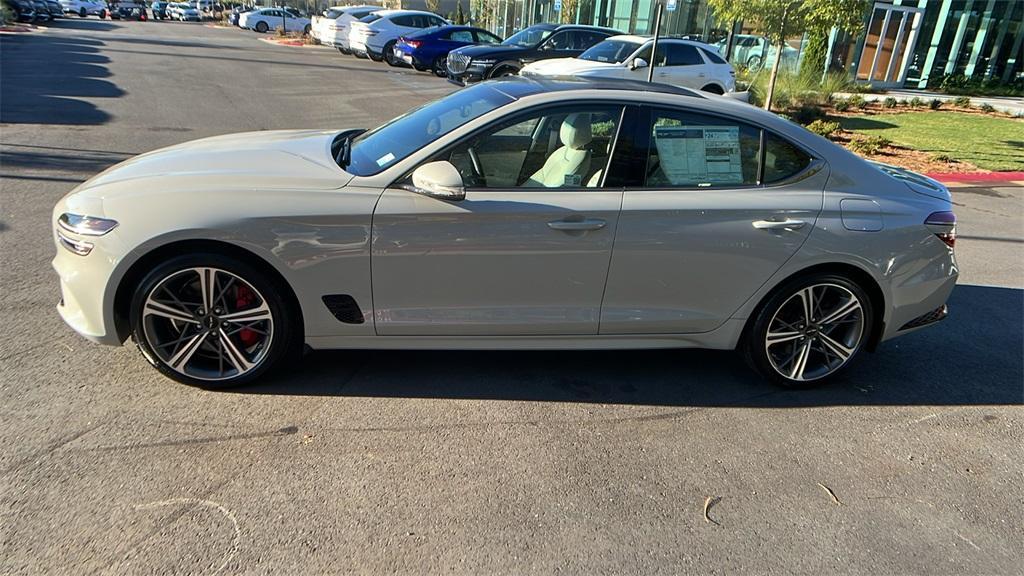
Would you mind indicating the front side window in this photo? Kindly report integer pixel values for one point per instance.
(554, 148)
(380, 148)
(560, 41)
(689, 150)
(613, 51)
(528, 37)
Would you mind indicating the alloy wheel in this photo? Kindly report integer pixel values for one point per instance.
(207, 323)
(815, 332)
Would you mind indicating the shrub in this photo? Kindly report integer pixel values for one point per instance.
(806, 113)
(833, 83)
(823, 127)
(962, 102)
(916, 102)
(841, 105)
(935, 104)
(889, 102)
(858, 101)
(945, 158)
(987, 108)
(871, 145)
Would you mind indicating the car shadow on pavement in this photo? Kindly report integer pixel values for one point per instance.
(44, 76)
(974, 357)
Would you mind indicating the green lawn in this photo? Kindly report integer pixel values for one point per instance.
(988, 142)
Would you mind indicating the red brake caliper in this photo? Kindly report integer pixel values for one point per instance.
(244, 298)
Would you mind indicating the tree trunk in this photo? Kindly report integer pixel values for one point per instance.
(774, 75)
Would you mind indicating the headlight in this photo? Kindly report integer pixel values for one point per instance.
(85, 225)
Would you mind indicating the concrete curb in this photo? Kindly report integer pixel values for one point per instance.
(978, 177)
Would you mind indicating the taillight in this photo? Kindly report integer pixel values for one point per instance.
(413, 43)
(943, 224)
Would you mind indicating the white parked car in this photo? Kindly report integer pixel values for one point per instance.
(335, 32)
(375, 35)
(187, 13)
(273, 18)
(679, 62)
(755, 52)
(83, 7)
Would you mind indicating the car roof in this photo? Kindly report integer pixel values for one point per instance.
(525, 86)
(586, 27)
(383, 13)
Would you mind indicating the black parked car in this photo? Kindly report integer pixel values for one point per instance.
(159, 10)
(42, 11)
(55, 9)
(538, 42)
(24, 10)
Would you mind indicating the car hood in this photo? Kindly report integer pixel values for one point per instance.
(566, 66)
(490, 51)
(280, 159)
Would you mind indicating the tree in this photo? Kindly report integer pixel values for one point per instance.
(460, 16)
(568, 15)
(434, 6)
(781, 19)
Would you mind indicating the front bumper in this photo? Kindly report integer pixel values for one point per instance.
(87, 298)
(468, 77)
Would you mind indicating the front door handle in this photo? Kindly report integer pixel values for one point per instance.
(577, 225)
(786, 224)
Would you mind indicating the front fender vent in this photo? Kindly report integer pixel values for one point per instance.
(344, 308)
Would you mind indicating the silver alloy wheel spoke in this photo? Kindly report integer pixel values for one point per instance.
(182, 357)
(850, 306)
(800, 364)
(236, 357)
(779, 337)
(261, 312)
(160, 309)
(835, 347)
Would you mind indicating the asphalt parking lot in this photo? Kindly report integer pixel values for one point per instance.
(462, 462)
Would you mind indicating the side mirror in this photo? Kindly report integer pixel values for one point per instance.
(638, 63)
(439, 180)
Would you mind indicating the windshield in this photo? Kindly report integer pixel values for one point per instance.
(381, 147)
(610, 51)
(529, 37)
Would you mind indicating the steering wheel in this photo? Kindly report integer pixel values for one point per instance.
(478, 170)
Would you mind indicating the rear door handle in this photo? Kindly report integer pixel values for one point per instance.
(577, 225)
(786, 224)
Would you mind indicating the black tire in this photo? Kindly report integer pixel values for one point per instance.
(505, 70)
(285, 340)
(754, 346)
(344, 51)
(754, 63)
(362, 55)
(82, 13)
(307, 29)
(713, 89)
(440, 66)
(389, 55)
(262, 27)
(374, 58)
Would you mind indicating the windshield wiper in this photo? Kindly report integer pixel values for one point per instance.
(345, 150)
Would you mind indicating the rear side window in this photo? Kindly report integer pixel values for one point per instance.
(486, 37)
(406, 21)
(689, 150)
(586, 39)
(461, 36)
(713, 56)
(369, 18)
(683, 55)
(782, 159)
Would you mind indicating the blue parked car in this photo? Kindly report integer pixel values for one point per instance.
(428, 49)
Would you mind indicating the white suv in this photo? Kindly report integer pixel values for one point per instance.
(375, 35)
(83, 7)
(335, 32)
(679, 62)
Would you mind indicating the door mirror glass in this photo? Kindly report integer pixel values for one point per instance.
(638, 63)
(438, 180)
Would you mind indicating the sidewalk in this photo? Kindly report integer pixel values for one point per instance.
(1008, 104)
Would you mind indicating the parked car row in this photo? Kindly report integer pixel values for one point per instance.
(263, 20)
(465, 54)
(36, 10)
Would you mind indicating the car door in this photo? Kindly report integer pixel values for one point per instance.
(684, 66)
(514, 257)
(717, 209)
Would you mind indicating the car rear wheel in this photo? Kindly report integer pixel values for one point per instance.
(389, 54)
(345, 51)
(754, 63)
(262, 27)
(306, 29)
(82, 13)
(809, 330)
(208, 320)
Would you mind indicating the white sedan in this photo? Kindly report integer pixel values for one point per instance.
(679, 63)
(273, 18)
(375, 35)
(83, 7)
(335, 32)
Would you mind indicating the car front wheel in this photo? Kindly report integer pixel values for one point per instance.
(809, 330)
(262, 27)
(211, 321)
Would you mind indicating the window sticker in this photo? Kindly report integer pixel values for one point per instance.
(572, 180)
(385, 159)
(699, 155)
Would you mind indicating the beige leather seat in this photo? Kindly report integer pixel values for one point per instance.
(570, 162)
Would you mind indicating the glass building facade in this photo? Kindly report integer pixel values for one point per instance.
(904, 43)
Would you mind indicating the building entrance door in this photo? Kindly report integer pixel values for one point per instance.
(888, 45)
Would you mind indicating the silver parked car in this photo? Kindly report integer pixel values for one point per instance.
(515, 214)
